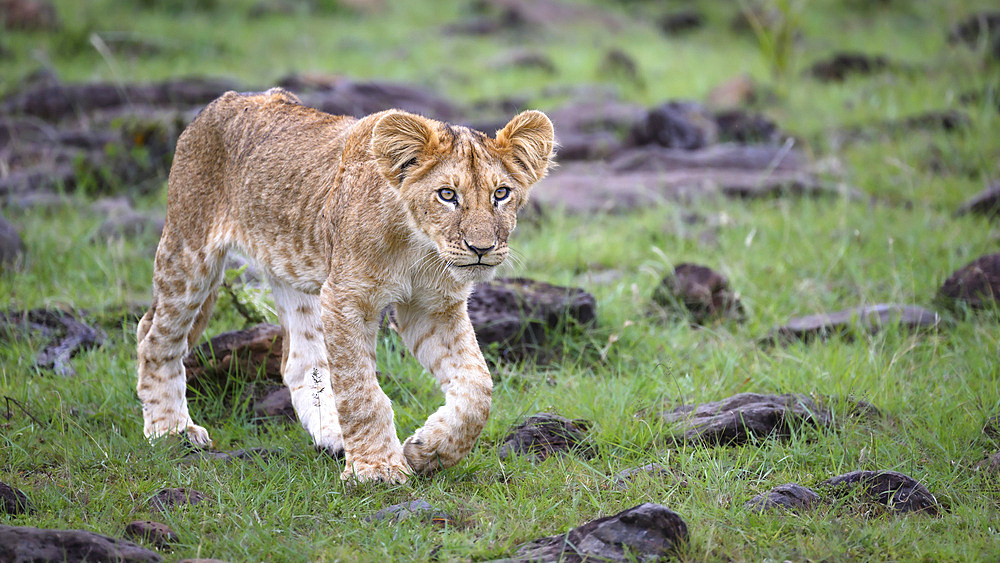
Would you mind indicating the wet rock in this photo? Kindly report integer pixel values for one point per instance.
(238, 351)
(975, 285)
(13, 501)
(167, 499)
(518, 314)
(11, 245)
(677, 124)
(28, 15)
(646, 532)
(892, 489)
(68, 335)
(156, 533)
(982, 28)
(544, 434)
(841, 65)
(676, 23)
(276, 404)
(700, 291)
(625, 478)
(790, 496)
(986, 203)
(250, 454)
(21, 543)
(414, 509)
(739, 418)
(867, 319)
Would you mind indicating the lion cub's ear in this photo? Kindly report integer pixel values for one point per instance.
(530, 139)
(399, 140)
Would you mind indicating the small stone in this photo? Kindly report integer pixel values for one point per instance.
(13, 501)
(789, 496)
(985, 203)
(646, 532)
(738, 418)
(975, 285)
(155, 533)
(544, 434)
(895, 490)
(22, 543)
(866, 319)
(276, 404)
(169, 498)
(677, 124)
(841, 65)
(700, 291)
(415, 508)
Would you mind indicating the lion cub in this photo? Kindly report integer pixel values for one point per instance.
(347, 216)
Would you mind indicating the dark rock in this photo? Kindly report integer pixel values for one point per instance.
(414, 509)
(276, 404)
(975, 285)
(239, 351)
(677, 124)
(676, 23)
(28, 15)
(979, 29)
(651, 471)
(946, 120)
(517, 314)
(986, 203)
(838, 67)
(736, 419)
(23, 544)
(897, 491)
(865, 319)
(155, 533)
(587, 146)
(646, 532)
(167, 499)
(251, 454)
(69, 335)
(738, 126)
(544, 434)
(13, 501)
(719, 159)
(526, 59)
(700, 291)
(11, 245)
(790, 496)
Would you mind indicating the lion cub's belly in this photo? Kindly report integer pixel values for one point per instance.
(300, 264)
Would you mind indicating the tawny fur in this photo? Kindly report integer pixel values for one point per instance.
(347, 218)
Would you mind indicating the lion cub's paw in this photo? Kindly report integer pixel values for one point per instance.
(197, 435)
(393, 472)
(425, 456)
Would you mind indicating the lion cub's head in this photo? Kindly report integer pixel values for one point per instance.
(462, 190)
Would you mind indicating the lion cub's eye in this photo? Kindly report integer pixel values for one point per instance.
(501, 193)
(448, 194)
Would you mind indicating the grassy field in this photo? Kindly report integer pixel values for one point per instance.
(84, 463)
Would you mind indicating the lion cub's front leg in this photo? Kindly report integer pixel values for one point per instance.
(444, 343)
(372, 451)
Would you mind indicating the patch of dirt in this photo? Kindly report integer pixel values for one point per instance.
(13, 501)
(170, 498)
(646, 532)
(238, 351)
(68, 333)
(840, 66)
(544, 434)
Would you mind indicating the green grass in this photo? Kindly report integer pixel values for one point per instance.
(85, 463)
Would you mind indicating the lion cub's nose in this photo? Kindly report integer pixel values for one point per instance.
(480, 250)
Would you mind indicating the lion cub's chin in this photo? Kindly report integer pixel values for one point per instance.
(473, 274)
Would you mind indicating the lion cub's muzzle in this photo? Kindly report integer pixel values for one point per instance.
(482, 254)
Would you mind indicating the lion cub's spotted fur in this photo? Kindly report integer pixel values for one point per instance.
(347, 217)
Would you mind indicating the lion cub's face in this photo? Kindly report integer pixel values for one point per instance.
(462, 190)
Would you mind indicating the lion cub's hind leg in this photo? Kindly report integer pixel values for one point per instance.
(185, 284)
(305, 367)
